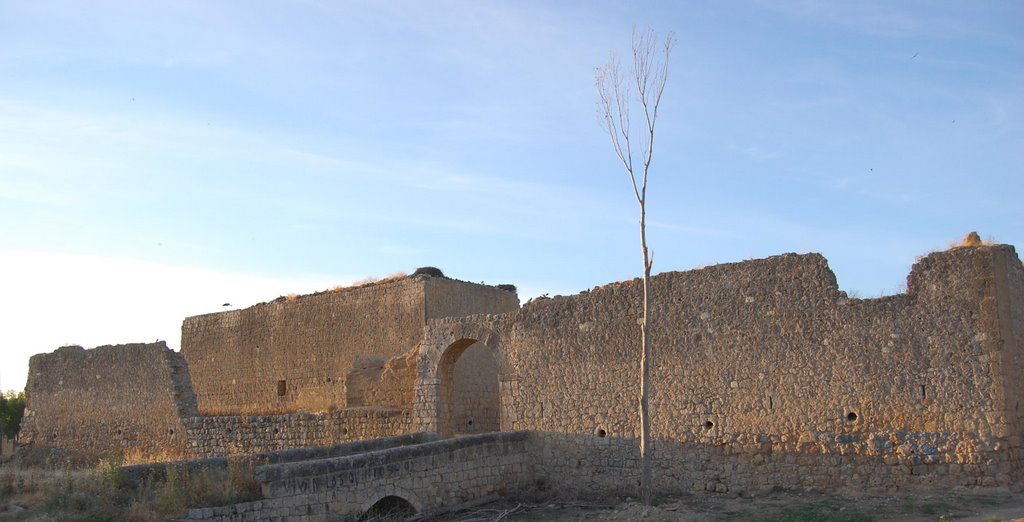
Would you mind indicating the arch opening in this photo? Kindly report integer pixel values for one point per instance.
(389, 508)
(470, 401)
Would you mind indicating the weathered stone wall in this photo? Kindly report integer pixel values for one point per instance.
(765, 374)
(475, 392)
(453, 298)
(247, 435)
(296, 354)
(111, 399)
(383, 384)
(431, 477)
(293, 355)
(138, 474)
(1005, 304)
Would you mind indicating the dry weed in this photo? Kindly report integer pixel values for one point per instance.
(972, 239)
(99, 493)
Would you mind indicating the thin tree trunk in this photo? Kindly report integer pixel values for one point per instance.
(648, 76)
(645, 341)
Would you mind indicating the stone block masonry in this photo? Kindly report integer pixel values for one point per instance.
(294, 354)
(135, 475)
(246, 435)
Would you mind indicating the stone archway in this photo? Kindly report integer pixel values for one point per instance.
(463, 377)
(468, 378)
(392, 503)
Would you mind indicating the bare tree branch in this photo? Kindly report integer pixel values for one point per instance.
(648, 78)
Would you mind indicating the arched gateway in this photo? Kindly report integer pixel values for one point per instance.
(463, 377)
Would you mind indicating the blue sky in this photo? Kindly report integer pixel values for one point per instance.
(158, 159)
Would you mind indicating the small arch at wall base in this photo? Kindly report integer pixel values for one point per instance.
(389, 508)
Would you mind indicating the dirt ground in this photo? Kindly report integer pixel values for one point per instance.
(789, 507)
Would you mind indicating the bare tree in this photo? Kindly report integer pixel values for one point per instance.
(615, 96)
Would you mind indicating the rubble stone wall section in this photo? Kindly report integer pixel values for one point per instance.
(765, 374)
(125, 399)
(383, 384)
(294, 355)
(1007, 311)
(453, 298)
(247, 435)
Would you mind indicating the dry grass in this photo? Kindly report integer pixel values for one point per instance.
(291, 297)
(972, 239)
(99, 493)
(133, 456)
(370, 281)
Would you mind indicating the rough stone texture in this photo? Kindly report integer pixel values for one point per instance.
(765, 374)
(387, 384)
(476, 405)
(138, 474)
(430, 476)
(245, 435)
(295, 354)
(127, 398)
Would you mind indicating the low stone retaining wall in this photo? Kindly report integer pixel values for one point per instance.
(134, 475)
(246, 435)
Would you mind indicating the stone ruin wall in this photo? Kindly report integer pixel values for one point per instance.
(239, 358)
(765, 374)
(127, 399)
(139, 399)
(247, 435)
(297, 355)
(1008, 308)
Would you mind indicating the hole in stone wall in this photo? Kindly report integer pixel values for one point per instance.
(282, 388)
(771, 403)
(344, 431)
(170, 432)
(54, 436)
(924, 394)
(328, 379)
(601, 433)
(120, 432)
(708, 425)
(852, 416)
(469, 422)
